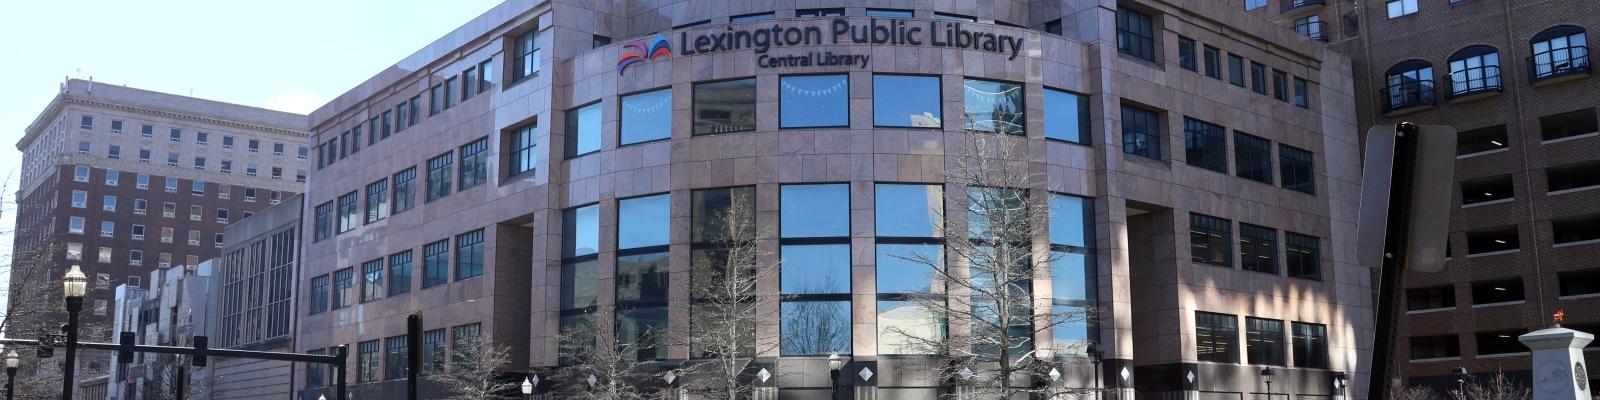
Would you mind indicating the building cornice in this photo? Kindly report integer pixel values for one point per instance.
(66, 98)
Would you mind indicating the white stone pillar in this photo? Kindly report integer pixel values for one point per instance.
(1558, 369)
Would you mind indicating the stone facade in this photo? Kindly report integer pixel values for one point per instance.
(1147, 287)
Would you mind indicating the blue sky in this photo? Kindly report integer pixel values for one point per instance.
(290, 55)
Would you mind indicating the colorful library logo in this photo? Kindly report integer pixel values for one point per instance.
(638, 50)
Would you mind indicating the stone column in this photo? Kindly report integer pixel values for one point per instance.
(1558, 369)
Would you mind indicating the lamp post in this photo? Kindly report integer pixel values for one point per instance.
(527, 388)
(835, 363)
(12, 361)
(1094, 358)
(1461, 381)
(1266, 376)
(74, 285)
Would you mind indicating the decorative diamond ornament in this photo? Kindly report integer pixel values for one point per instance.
(966, 373)
(866, 374)
(1190, 376)
(671, 376)
(1055, 375)
(534, 379)
(591, 380)
(764, 375)
(1126, 373)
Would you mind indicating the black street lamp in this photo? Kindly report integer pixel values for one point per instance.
(527, 388)
(1094, 358)
(1266, 376)
(835, 363)
(12, 361)
(74, 285)
(1461, 381)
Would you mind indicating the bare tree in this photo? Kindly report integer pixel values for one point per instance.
(599, 367)
(725, 310)
(34, 307)
(472, 372)
(166, 374)
(1412, 393)
(1497, 387)
(984, 278)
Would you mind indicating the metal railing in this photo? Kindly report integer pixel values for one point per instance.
(1316, 30)
(1291, 5)
(1558, 62)
(1408, 94)
(1475, 80)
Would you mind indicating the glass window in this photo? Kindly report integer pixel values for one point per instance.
(581, 235)
(1236, 70)
(1474, 69)
(815, 210)
(752, 17)
(1135, 34)
(1053, 26)
(524, 146)
(1205, 145)
(909, 327)
(1295, 166)
(1072, 272)
(439, 176)
(819, 12)
(643, 221)
(1280, 85)
(1141, 132)
(344, 288)
(1258, 77)
(469, 254)
(324, 221)
(994, 107)
(367, 358)
(1264, 341)
(642, 275)
(394, 358)
(436, 97)
(1302, 94)
(1213, 60)
(1304, 255)
(1216, 336)
(1254, 4)
(80, 173)
(816, 269)
(583, 130)
(372, 280)
(1186, 58)
(433, 351)
(645, 327)
(348, 213)
(1559, 51)
(725, 106)
(906, 101)
(1398, 8)
(647, 116)
(1252, 157)
(578, 281)
(435, 263)
(474, 163)
(399, 273)
(1408, 84)
(1210, 240)
(807, 101)
(1311, 345)
(1066, 116)
(722, 227)
(909, 210)
(1258, 248)
(888, 12)
(377, 200)
(403, 187)
(469, 83)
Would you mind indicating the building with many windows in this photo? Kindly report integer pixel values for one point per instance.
(550, 161)
(253, 302)
(170, 311)
(124, 181)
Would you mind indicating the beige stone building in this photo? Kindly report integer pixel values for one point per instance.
(550, 159)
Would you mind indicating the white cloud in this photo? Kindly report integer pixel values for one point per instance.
(296, 101)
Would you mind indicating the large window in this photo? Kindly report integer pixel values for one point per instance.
(527, 56)
(1216, 337)
(1252, 156)
(1559, 51)
(439, 176)
(907, 101)
(344, 288)
(349, 214)
(367, 361)
(319, 294)
(814, 224)
(910, 258)
(580, 273)
(323, 225)
(1303, 254)
(372, 280)
(1205, 145)
(1210, 240)
(474, 163)
(583, 130)
(469, 254)
(433, 351)
(1296, 167)
(394, 358)
(1399, 8)
(1310, 345)
(722, 267)
(994, 107)
(1136, 34)
(1258, 248)
(404, 186)
(1408, 84)
(1473, 70)
(1236, 70)
(1186, 56)
(1073, 277)
(809, 101)
(643, 227)
(399, 273)
(646, 116)
(1264, 341)
(377, 200)
(435, 263)
(1066, 116)
(524, 149)
(725, 106)
(1141, 132)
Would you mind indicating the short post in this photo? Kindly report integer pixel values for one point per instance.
(1558, 369)
(413, 353)
(343, 353)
